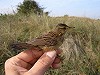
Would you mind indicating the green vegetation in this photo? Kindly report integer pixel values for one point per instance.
(28, 7)
(81, 47)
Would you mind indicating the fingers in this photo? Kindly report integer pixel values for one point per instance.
(56, 66)
(57, 60)
(56, 63)
(43, 63)
(58, 51)
(29, 55)
(32, 55)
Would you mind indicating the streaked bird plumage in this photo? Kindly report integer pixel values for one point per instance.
(46, 42)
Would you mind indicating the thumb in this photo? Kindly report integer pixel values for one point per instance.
(43, 63)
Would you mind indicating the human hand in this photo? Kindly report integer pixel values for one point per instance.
(32, 62)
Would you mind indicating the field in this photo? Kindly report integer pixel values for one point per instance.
(81, 49)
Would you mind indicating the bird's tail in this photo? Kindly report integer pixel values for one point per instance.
(20, 46)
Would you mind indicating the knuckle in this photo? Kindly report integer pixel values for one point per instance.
(44, 62)
(7, 61)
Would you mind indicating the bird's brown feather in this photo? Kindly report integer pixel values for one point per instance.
(52, 39)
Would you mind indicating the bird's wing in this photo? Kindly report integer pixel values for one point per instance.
(19, 46)
(47, 39)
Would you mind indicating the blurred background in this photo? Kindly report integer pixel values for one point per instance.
(82, 8)
(23, 20)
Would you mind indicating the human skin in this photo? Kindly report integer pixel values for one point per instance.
(32, 62)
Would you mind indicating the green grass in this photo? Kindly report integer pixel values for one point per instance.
(81, 47)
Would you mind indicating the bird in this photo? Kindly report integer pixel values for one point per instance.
(46, 42)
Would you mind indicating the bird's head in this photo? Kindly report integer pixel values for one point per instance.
(62, 28)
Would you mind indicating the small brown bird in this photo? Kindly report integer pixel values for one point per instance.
(47, 42)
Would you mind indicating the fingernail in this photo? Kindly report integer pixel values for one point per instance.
(51, 54)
